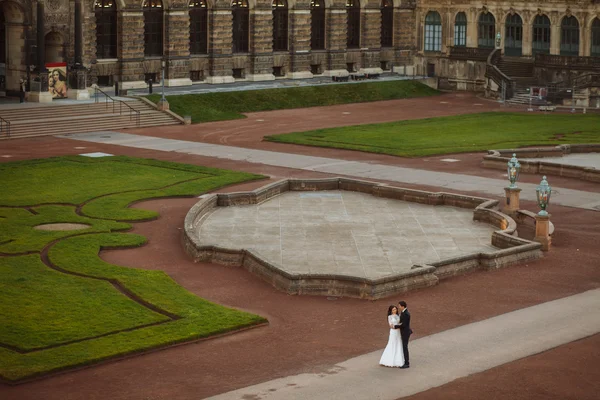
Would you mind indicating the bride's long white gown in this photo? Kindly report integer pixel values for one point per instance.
(393, 356)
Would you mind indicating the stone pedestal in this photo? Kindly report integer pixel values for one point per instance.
(39, 97)
(162, 105)
(511, 200)
(542, 231)
(78, 94)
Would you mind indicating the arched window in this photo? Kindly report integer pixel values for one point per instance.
(317, 25)
(105, 12)
(387, 23)
(280, 25)
(569, 37)
(433, 31)
(241, 25)
(460, 30)
(596, 38)
(153, 28)
(198, 27)
(353, 39)
(487, 30)
(541, 35)
(513, 36)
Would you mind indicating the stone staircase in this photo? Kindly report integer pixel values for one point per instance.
(515, 67)
(55, 119)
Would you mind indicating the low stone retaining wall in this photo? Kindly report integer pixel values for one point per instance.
(513, 249)
(498, 159)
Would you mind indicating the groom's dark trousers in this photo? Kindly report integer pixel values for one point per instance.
(405, 333)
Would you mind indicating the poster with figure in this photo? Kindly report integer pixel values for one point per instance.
(57, 80)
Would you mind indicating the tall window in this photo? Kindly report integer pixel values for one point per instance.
(513, 36)
(198, 27)
(317, 25)
(280, 25)
(153, 28)
(353, 39)
(387, 23)
(2, 39)
(596, 38)
(433, 31)
(105, 12)
(487, 30)
(541, 35)
(569, 37)
(460, 30)
(241, 25)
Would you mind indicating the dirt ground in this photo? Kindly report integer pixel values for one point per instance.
(309, 333)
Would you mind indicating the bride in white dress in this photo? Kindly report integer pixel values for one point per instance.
(392, 355)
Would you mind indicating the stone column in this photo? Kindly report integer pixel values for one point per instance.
(131, 49)
(527, 39)
(299, 31)
(585, 33)
(336, 28)
(41, 94)
(542, 231)
(511, 200)
(261, 43)
(220, 44)
(177, 47)
(371, 39)
(555, 35)
(472, 29)
(406, 26)
(78, 77)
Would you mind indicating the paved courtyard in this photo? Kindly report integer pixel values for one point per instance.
(347, 233)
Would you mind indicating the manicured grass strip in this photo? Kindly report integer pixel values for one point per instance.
(42, 307)
(17, 228)
(230, 105)
(117, 206)
(53, 319)
(199, 318)
(457, 134)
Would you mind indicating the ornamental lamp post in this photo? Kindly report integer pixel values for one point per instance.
(498, 37)
(543, 192)
(514, 167)
(163, 104)
(162, 78)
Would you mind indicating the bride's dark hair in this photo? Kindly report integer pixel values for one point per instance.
(390, 309)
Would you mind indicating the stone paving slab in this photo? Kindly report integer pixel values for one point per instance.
(346, 233)
(442, 357)
(591, 160)
(491, 187)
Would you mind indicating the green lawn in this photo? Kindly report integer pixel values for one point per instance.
(69, 310)
(230, 105)
(457, 134)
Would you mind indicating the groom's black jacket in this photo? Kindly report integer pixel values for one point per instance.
(405, 323)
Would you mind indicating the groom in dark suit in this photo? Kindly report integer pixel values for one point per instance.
(405, 331)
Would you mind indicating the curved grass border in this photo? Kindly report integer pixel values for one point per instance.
(512, 248)
(191, 318)
(498, 159)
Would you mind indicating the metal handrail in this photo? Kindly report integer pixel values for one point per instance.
(5, 122)
(578, 82)
(132, 111)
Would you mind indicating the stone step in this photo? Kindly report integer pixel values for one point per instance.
(75, 118)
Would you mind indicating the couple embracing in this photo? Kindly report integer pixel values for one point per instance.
(396, 351)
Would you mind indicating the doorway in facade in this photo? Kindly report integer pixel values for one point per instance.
(12, 48)
(513, 37)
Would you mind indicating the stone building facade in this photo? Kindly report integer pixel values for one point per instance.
(220, 41)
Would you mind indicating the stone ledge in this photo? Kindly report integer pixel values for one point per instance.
(513, 249)
(498, 159)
